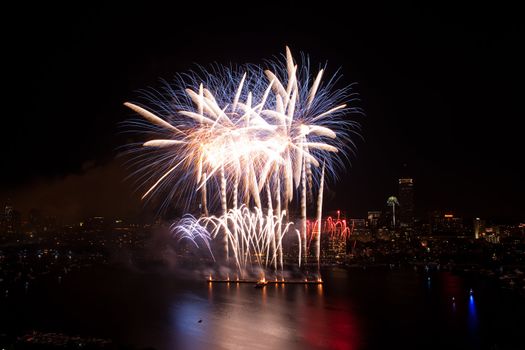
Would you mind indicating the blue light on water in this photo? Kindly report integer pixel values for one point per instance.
(472, 314)
(189, 318)
(471, 306)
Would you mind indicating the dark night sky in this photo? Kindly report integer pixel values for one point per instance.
(442, 90)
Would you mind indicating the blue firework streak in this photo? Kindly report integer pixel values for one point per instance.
(244, 140)
(210, 121)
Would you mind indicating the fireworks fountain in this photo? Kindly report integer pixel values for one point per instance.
(392, 202)
(250, 145)
(335, 226)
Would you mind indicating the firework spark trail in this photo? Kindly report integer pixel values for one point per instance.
(319, 218)
(266, 141)
(250, 233)
(330, 226)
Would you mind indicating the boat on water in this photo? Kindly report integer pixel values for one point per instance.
(261, 283)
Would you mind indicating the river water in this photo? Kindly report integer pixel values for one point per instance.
(376, 308)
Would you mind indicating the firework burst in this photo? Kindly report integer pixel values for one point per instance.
(246, 143)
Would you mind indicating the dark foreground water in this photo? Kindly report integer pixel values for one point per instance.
(354, 309)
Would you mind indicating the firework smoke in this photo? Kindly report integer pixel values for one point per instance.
(248, 145)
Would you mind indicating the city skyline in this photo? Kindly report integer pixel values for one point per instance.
(287, 175)
(407, 212)
(443, 100)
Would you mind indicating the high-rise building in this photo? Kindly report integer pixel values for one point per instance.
(11, 220)
(337, 246)
(406, 202)
(446, 224)
(479, 227)
(359, 227)
(374, 219)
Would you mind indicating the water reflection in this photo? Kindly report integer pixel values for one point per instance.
(472, 314)
(452, 288)
(264, 295)
(276, 316)
(333, 329)
(354, 309)
(189, 319)
(210, 291)
(451, 284)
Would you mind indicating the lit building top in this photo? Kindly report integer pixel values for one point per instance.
(406, 181)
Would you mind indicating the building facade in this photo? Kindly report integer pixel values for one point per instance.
(406, 202)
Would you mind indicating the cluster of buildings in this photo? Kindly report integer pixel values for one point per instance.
(398, 221)
(10, 219)
(12, 222)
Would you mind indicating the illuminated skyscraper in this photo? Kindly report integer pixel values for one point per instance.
(479, 227)
(406, 202)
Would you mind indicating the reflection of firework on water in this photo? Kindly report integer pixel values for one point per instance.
(244, 142)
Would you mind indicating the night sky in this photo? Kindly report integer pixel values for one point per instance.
(442, 89)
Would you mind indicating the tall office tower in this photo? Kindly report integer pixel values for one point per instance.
(479, 227)
(406, 202)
